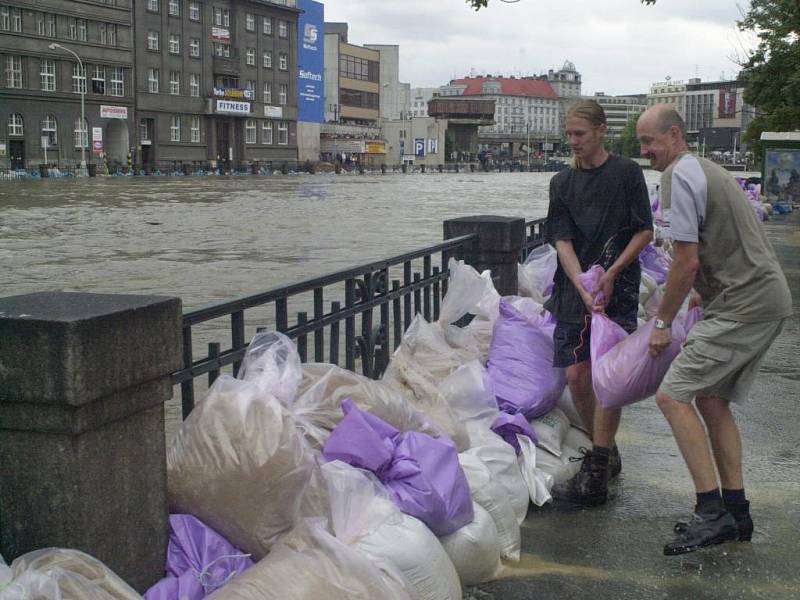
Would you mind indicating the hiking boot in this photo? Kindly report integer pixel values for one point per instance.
(741, 514)
(705, 529)
(614, 463)
(589, 487)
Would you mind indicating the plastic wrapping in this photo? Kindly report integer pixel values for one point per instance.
(536, 274)
(474, 549)
(551, 429)
(272, 362)
(538, 481)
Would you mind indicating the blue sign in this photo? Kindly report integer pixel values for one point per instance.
(419, 146)
(311, 62)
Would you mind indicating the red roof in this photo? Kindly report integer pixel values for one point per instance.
(536, 88)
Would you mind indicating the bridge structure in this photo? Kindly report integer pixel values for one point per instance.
(463, 119)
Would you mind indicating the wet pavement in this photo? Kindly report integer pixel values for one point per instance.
(614, 552)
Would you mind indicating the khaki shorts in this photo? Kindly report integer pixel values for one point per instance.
(719, 359)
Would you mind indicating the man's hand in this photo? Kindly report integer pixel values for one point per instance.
(660, 339)
(588, 300)
(605, 287)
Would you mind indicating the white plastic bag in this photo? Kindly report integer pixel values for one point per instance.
(535, 276)
(468, 391)
(273, 363)
(475, 549)
(567, 405)
(550, 430)
(239, 465)
(467, 292)
(539, 482)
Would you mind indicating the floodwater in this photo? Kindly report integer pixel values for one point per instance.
(210, 239)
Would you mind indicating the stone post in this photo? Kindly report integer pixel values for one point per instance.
(83, 381)
(500, 241)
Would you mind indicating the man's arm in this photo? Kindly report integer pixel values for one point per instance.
(681, 276)
(572, 267)
(631, 253)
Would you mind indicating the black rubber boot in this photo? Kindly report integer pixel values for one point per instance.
(589, 487)
(705, 529)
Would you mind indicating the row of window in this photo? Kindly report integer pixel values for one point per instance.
(109, 81)
(49, 129)
(222, 16)
(219, 49)
(47, 25)
(250, 130)
(353, 67)
(359, 99)
(175, 78)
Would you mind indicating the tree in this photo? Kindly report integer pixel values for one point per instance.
(772, 72)
(478, 4)
(628, 142)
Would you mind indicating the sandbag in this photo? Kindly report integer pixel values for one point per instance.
(493, 498)
(510, 427)
(62, 574)
(654, 264)
(567, 405)
(421, 473)
(307, 563)
(535, 275)
(199, 561)
(366, 519)
(474, 549)
(539, 482)
(565, 467)
(623, 371)
(238, 464)
(272, 362)
(551, 429)
(521, 363)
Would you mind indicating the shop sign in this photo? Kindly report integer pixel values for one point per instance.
(376, 148)
(419, 146)
(433, 145)
(273, 112)
(234, 93)
(3, 150)
(113, 112)
(229, 106)
(97, 140)
(220, 35)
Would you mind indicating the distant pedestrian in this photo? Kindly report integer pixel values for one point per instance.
(720, 248)
(599, 214)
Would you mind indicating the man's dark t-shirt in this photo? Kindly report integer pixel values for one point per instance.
(599, 210)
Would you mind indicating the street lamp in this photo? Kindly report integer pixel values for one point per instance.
(84, 126)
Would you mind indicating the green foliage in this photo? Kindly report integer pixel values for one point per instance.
(629, 144)
(772, 72)
(479, 4)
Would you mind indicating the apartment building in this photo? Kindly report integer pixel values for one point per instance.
(619, 109)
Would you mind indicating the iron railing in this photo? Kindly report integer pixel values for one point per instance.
(534, 237)
(395, 287)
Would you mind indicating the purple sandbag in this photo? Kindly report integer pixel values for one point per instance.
(421, 473)
(623, 372)
(509, 426)
(199, 560)
(521, 363)
(655, 265)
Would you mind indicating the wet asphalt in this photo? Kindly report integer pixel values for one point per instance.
(614, 552)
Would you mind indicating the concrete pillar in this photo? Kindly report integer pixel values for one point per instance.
(499, 246)
(83, 381)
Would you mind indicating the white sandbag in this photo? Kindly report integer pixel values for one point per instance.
(647, 288)
(567, 405)
(569, 463)
(365, 518)
(5, 573)
(469, 394)
(576, 438)
(501, 460)
(238, 464)
(539, 482)
(307, 563)
(475, 549)
(62, 574)
(551, 429)
(273, 363)
(468, 292)
(493, 498)
(535, 275)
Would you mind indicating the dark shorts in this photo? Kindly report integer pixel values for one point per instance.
(571, 340)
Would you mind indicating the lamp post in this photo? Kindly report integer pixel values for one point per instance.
(84, 126)
(335, 109)
(528, 131)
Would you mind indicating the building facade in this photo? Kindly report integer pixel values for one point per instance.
(216, 82)
(669, 92)
(419, 98)
(44, 82)
(619, 109)
(716, 115)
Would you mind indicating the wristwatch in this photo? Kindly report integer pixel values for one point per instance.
(659, 324)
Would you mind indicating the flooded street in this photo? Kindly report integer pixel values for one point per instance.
(210, 239)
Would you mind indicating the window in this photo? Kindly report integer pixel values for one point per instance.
(250, 22)
(175, 129)
(15, 124)
(361, 69)
(268, 59)
(48, 74)
(267, 92)
(194, 47)
(81, 131)
(16, 20)
(194, 129)
(98, 80)
(81, 30)
(152, 5)
(221, 49)
(144, 130)
(175, 82)
(117, 82)
(174, 8)
(251, 56)
(268, 25)
(250, 84)
(152, 81)
(14, 71)
(266, 132)
(5, 18)
(283, 93)
(283, 133)
(78, 79)
(222, 17)
(194, 11)
(250, 131)
(112, 34)
(283, 62)
(50, 22)
(283, 29)
(103, 34)
(152, 40)
(40, 23)
(50, 129)
(194, 85)
(174, 43)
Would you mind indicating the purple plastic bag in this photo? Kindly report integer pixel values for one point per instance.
(509, 426)
(199, 560)
(421, 473)
(623, 371)
(521, 363)
(654, 264)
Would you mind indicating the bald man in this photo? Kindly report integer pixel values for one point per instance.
(720, 249)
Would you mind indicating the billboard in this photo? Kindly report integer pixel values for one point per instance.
(311, 62)
(727, 102)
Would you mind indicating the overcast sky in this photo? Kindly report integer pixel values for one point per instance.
(618, 46)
